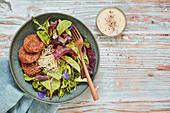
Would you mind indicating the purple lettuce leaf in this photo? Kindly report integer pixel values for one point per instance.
(62, 40)
(42, 94)
(90, 70)
(69, 39)
(40, 77)
(84, 49)
(52, 27)
(56, 42)
(83, 74)
(91, 56)
(60, 51)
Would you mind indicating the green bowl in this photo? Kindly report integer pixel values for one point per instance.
(28, 28)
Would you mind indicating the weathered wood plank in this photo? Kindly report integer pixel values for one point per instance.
(134, 73)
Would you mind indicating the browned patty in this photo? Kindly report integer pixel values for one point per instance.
(31, 69)
(26, 57)
(33, 44)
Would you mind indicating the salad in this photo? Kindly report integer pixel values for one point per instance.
(59, 60)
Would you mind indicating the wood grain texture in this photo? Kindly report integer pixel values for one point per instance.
(134, 73)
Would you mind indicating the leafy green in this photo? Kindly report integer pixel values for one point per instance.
(79, 79)
(51, 85)
(53, 74)
(73, 47)
(61, 92)
(54, 34)
(40, 88)
(68, 85)
(68, 69)
(43, 35)
(46, 24)
(48, 93)
(28, 78)
(35, 84)
(85, 58)
(63, 25)
(86, 43)
(36, 22)
(57, 75)
(71, 76)
(68, 32)
(72, 62)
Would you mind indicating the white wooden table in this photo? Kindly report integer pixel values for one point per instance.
(134, 73)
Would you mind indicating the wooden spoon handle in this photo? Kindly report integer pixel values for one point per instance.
(93, 91)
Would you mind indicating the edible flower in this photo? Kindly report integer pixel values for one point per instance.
(71, 27)
(42, 94)
(65, 75)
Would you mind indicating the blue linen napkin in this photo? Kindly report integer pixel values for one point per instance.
(14, 100)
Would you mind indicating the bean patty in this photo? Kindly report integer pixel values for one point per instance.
(31, 69)
(33, 44)
(26, 57)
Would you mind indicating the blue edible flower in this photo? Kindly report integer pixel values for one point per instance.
(42, 94)
(70, 27)
(65, 75)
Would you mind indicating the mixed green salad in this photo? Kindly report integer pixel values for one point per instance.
(60, 60)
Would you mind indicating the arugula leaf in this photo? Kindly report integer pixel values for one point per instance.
(46, 24)
(85, 58)
(40, 88)
(28, 78)
(35, 84)
(68, 69)
(48, 93)
(54, 85)
(63, 25)
(72, 62)
(43, 35)
(61, 92)
(86, 43)
(79, 79)
(68, 85)
(36, 22)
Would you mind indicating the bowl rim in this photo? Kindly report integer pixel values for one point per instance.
(118, 10)
(10, 51)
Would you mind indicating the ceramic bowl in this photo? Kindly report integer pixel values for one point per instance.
(29, 28)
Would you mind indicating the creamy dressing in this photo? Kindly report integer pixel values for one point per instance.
(111, 21)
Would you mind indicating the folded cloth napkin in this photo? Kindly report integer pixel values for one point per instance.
(13, 100)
